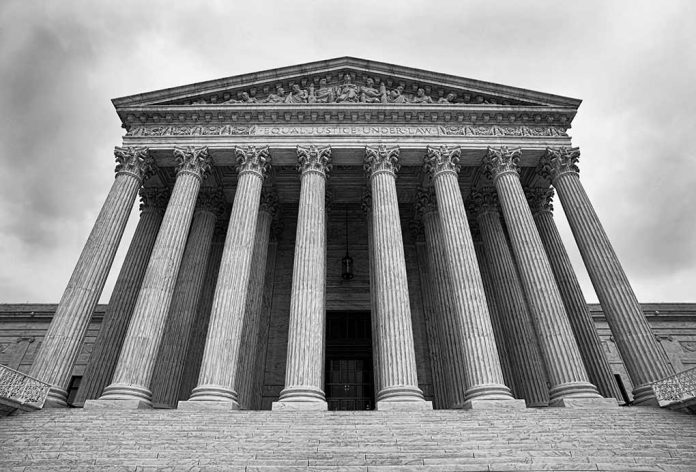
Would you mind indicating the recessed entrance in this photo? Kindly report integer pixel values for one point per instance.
(349, 373)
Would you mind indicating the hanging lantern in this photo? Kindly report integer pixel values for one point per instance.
(347, 261)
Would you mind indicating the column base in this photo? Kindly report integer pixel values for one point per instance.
(482, 404)
(127, 404)
(198, 405)
(56, 398)
(395, 405)
(400, 393)
(585, 403)
(300, 406)
(214, 394)
(126, 393)
(644, 395)
(573, 390)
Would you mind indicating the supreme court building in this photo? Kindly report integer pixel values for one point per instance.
(348, 234)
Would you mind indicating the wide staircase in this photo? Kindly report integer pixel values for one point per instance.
(629, 438)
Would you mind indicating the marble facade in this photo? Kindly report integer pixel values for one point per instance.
(254, 186)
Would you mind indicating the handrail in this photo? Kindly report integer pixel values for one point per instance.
(676, 388)
(22, 389)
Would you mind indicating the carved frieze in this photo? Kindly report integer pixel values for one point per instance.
(343, 130)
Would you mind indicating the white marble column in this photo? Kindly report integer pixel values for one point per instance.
(528, 367)
(634, 338)
(304, 370)
(252, 316)
(107, 345)
(493, 308)
(593, 355)
(569, 384)
(130, 387)
(473, 331)
(169, 366)
(366, 204)
(218, 374)
(446, 318)
(397, 359)
(63, 340)
(196, 344)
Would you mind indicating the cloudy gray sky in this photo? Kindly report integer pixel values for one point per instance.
(632, 62)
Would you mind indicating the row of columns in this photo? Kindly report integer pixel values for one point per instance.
(539, 321)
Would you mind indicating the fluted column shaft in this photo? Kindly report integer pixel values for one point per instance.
(397, 359)
(374, 317)
(107, 345)
(528, 367)
(137, 360)
(591, 350)
(566, 372)
(304, 369)
(634, 338)
(431, 311)
(63, 340)
(451, 342)
(171, 358)
(218, 374)
(472, 323)
(196, 344)
(501, 340)
(252, 316)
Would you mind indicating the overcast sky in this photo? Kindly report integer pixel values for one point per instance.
(633, 63)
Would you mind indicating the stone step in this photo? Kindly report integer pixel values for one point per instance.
(544, 439)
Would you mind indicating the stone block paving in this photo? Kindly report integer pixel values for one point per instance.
(632, 439)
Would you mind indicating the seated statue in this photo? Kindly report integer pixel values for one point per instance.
(325, 94)
(397, 95)
(368, 92)
(297, 95)
(421, 97)
(348, 91)
(245, 99)
(449, 99)
(277, 97)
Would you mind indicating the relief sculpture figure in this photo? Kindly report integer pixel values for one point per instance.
(368, 92)
(449, 99)
(244, 99)
(297, 95)
(348, 91)
(278, 97)
(421, 97)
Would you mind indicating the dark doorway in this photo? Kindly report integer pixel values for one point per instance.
(349, 378)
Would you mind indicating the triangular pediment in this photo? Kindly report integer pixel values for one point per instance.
(345, 81)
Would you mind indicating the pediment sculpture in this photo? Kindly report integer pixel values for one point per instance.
(347, 90)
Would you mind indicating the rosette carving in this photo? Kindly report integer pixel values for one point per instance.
(212, 200)
(193, 160)
(441, 159)
(135, 161)
(540, 199)
(154, 198)
(314, 159)
(499, 161)
(484, 200)
(256, 160)
(381, 159)
(558, 161)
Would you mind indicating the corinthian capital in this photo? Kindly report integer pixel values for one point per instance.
(314, 159)
(539, 198)
(135, 161)
(499, 161)
(366, 201)
(559, 161)
(441, 159)
(426, 201)
(154, 199)
(269, 202)
(193, 160)
(252, 159)
(381, 159)
(211, 200)
(484, 200)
